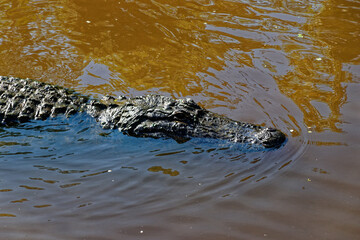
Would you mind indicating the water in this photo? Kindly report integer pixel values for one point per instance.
(284, 64)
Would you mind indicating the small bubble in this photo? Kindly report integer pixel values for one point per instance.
(318, 59)
(88, 21)
(291, 130)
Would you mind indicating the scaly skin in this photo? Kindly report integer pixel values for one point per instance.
(154, 116)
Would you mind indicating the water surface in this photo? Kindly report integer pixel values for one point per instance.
(292, 65)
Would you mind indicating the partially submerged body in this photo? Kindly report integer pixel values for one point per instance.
(155, 116)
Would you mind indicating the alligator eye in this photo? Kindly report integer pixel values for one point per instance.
(180, 115)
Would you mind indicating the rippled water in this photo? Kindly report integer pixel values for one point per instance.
(292, 65)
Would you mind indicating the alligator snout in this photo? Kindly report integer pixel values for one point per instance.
(271, 138)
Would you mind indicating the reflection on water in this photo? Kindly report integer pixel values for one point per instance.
(317, 81)
(32, 43)
(292, 65)
(165, 171)
(192, 48)
(95, 172)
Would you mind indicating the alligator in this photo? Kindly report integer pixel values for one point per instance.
(156, 116)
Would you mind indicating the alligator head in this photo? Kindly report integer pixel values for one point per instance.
(159, 116)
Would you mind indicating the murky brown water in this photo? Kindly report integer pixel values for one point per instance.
(294, 65)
